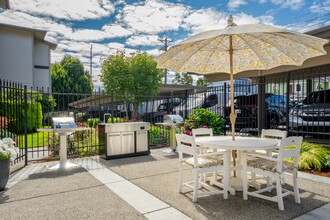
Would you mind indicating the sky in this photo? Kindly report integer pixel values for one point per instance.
(128, 25)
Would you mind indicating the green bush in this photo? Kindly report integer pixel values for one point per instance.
(81, 117)
(202, 118)
(312, 157)
(92, 122)
(116, 120)
(14, 111)
(159, 135)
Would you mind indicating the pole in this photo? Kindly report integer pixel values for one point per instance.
(165, 42)
(90, 62)
(232, 108)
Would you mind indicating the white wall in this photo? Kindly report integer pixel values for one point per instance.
(16, 49)
(41, 59)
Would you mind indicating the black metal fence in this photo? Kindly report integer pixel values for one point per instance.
(297, 101)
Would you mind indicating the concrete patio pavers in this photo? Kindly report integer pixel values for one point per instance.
(63, 194)
(154, 175)
(159, 176)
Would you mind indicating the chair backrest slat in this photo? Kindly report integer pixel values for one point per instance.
(290, 147)
(273, 133)
(200, 132)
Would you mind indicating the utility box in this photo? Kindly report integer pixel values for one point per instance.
(119, 140)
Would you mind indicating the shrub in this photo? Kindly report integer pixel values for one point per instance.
(312, 157)
(92, 122)
(14, 111)
(116, 120)
(81, 117)
(200, 118)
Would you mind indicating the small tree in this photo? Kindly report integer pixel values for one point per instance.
(183, 79)
(201, 82)
(69, 76)
(130, 78)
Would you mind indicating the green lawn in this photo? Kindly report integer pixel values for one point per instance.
(38, 139)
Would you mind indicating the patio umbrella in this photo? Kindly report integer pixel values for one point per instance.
(236, 49)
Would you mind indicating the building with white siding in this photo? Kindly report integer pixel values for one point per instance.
(25, 56)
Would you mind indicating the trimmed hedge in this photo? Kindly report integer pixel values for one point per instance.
(14, 111)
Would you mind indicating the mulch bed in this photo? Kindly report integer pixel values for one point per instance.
(324, 173)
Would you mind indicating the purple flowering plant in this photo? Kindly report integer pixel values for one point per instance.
(202, 118)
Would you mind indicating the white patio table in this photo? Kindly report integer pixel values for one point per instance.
(240, 144)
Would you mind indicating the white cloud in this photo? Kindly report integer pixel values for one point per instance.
(153, 16)
(293, 4)
(209, 19)
(154, 52)
(142, 40)
(65, 9)
(262, 1)
(205, 19)
(234, 4)
(320, 8)
(108, 31)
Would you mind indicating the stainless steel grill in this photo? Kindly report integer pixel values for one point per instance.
(170, 120)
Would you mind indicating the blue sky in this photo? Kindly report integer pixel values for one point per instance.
(128, 25)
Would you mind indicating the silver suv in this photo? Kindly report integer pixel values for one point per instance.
(313, 114)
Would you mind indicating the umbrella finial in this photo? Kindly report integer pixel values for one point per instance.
(230, 21)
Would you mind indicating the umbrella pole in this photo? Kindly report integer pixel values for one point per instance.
(232, 107)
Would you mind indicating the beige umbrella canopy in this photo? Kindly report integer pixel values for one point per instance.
(235, 49)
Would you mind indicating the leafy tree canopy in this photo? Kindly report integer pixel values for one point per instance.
(131, 78)
(201, 82)
(69, 76)
(183, 79)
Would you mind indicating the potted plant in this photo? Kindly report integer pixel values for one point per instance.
(8, 151)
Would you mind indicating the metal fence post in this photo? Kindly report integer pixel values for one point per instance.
(287, 103)
(25, 124)
(186, 107)
(261, 104)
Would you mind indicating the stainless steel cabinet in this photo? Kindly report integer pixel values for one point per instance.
(119, 140)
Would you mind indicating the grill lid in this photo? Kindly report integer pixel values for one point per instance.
(173, 119)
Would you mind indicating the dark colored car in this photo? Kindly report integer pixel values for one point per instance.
(246, 109)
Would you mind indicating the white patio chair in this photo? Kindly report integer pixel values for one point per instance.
(269, 133)
(200, 164)
(274, 168)
(204, 132)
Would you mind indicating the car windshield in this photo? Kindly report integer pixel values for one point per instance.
(192, 101)
(318, 97)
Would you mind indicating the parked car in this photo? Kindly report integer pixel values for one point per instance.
(313, 113)
(162, 109)
(246, 109)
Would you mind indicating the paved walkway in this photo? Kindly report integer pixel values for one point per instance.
(145, 203)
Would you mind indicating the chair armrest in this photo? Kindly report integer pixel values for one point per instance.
(254, 156)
